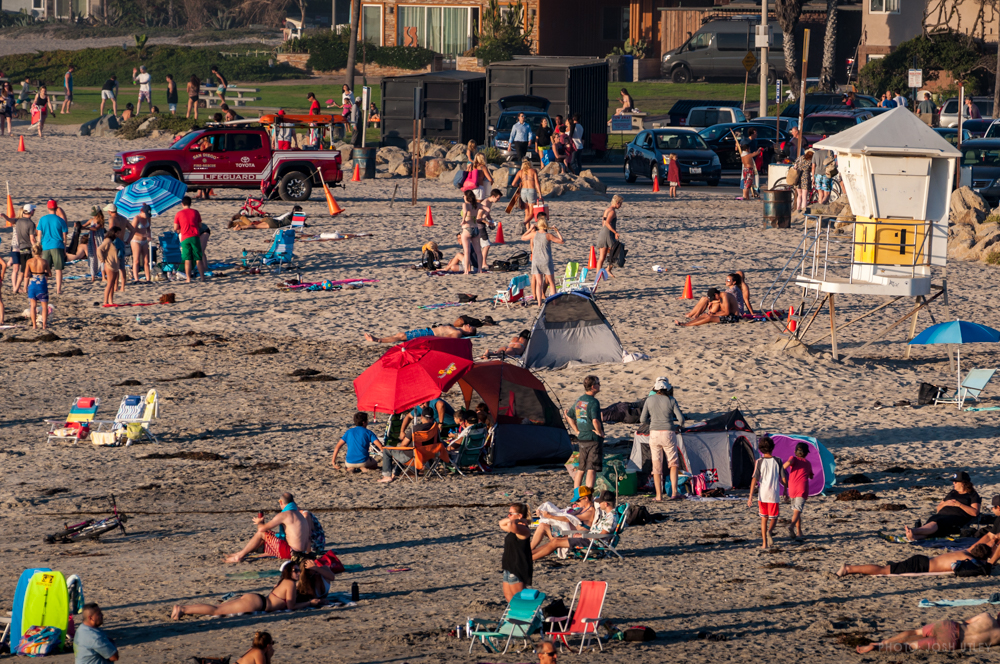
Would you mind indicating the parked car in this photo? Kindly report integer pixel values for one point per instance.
(950, 134)
(785, 124)
(717, 50)
(949, 110)
(820, 125)
(977, 128)
(534, 109)
(981, 168)
(818, 102)
(701, 117)
(721, 140)
(647, 154)
(992, 132)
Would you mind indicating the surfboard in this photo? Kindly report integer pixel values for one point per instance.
(17, 609)
(46, 603)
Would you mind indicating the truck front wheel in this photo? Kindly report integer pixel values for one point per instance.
(295, 187)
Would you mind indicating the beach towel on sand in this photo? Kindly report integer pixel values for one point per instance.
(930, 604)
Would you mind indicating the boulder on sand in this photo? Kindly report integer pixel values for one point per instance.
(104, 126)
(968, 207)
(433, 168)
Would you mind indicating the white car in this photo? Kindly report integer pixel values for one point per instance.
(949, 110)
(702, 117)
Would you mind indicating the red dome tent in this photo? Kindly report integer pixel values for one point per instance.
(529, 427)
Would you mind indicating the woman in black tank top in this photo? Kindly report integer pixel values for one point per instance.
(516, 562)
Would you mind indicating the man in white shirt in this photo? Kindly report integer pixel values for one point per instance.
(143, 78)
(900, 100)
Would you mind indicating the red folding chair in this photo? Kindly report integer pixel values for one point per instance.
(587, 617)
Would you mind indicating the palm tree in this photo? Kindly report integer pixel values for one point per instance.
(826, 77)
(788, 12)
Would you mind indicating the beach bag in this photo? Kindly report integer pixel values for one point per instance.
(638, 515)
(698, 484)
(80, 429)
(520, 259)
(330, 559)
(547, 156)
(36, 114)
(928, 393)
(617, 254)
(317, 535)
(638, 633)
(40, 641)
(502, 266)
(972, 568)
(830, 167)
(459, 178)
(792, 177)
(471, 180)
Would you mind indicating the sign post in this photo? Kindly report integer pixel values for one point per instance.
(802, 93)
(762, 40)
(366, 97)
(621, 123)
(418, 116)
(777, 111)
(916, 80)
(749, 62)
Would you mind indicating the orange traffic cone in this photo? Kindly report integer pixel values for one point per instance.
(429, 220)
(331, 202)
(688, 291)
(10, 207)
(20, 145)
(656, 185)
(357, 173)
(792, 325)
(499, 237)
(592, 263)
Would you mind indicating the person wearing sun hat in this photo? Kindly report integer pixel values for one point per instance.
(665, 419)
(959, 507)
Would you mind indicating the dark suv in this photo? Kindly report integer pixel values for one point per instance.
(534, 109)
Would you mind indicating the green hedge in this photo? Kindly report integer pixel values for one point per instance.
(328, 51)
(95, 65)
(951, 52)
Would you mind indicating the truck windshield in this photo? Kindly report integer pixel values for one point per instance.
(186, 140)
(684, 141)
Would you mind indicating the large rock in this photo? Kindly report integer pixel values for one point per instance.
(985, 230)
(447, 176)
(87, 127)
(433, 168)
(397, 159)
(965, 201)
(552, 169)
(148, 124)
(988, 244)
(960, 245)
(501, 177)
(456, 153)
(106, 126)
(433, 151)
(550, 188)
(401, 168)
(390, 153)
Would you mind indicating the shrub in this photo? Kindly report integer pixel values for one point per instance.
(955, 53)
(170, 124)
(328, 51)
(992, 219)
(403, 57)
(993, 258)
(504, 34)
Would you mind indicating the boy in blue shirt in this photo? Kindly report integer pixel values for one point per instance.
(358, 440)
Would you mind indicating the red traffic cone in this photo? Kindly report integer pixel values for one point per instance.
(688, 291)
(429, 219)
(357, 173)
(10, 209)
(331, 202)
(499, 237)
(656, 184)
(792, 325)
(20, 145)
(592, 263)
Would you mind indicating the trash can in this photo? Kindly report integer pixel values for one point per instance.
(777, 207)
(365, 158)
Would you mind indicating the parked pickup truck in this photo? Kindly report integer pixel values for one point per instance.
(233, 157)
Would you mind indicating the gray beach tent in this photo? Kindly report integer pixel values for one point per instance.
(571, 330)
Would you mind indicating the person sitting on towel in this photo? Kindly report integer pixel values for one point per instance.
(583, 509)
(920, 564)
(603, 525)
(514, 349)
(976, 632)
(959, 507)
(722, 308)
(294, 528)
(447, 331)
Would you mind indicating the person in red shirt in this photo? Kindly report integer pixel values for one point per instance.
(799, 473)
(187, 222)
(313, 104)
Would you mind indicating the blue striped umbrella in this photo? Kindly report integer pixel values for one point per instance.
(160, 193)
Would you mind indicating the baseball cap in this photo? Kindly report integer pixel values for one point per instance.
(996, 501)
(111, 207)
(52, 205)
(281, 111)
(585, 491)
(28, 207)
(961, 477)
(427, 412)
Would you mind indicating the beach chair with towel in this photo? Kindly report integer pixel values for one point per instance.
(973, 385)
(521, 619)
(603, 546)
(588, 600)
(132, 423)
(516, 291)
(76, 426)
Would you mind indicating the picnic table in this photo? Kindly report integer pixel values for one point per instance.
(212, 100)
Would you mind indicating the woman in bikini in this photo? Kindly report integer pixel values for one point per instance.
(36, 273)
(261, 650)
(470, 233)
(283, 596)
(140, 242)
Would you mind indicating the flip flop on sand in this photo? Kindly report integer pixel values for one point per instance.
(842, 572)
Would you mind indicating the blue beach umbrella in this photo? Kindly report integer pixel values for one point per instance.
(160, 193)
(957, 332)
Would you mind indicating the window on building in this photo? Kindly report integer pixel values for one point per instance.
(371, 24)
(615, 26)
(883, 7)
(38, 4)
(447, 30)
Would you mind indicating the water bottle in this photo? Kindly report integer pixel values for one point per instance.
(138, 320)
(468, 627)
(355, 594)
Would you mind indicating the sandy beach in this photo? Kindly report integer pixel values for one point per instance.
(699, 578)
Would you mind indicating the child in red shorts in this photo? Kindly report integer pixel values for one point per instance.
(769, 475)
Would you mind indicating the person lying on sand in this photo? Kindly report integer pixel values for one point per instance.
(447, 331)
(514, 349)
(919, 564)
(976, 632)
(283, 596)
(583, 509)
(604, 524)
(721, 308)
(294, 524)
(261, 650)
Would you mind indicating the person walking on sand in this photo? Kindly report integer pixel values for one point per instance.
(23, 239)
(261, 650)
(43, 103)
(36, 273)
(109, 92)
(107, 258)
(516, 562)
(799, 473)
(665, 419)
(90, 644)
(584, 419)
(981, 631)
(749, 172)
(51, 235)
(768, 475)
(187, 222)
(294, 534)
(608, 236)
(283, 597)
(542, 263)
(470, 234)
(67, 90)
(143, 78)
(527, 179)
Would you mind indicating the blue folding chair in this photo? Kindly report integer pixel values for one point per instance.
(521, 619)
(281, 251)
(170, 249)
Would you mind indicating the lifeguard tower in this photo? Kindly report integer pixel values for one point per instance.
(897, 173)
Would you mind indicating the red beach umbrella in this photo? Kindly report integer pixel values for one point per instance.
(411, 373)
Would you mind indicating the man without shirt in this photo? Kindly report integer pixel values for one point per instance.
(446, 331)
(297, 526)
(980, 631)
